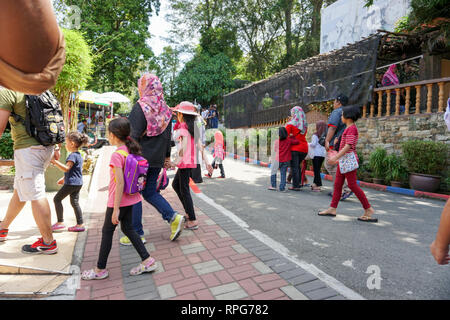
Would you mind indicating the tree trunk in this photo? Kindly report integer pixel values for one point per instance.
(288, 7)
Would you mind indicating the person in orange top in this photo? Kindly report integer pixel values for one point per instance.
(297, 127)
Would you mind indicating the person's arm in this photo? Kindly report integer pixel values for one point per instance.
(340, 154)
(4, 117)
(29, 34)
(120, 184)
(440, 246)
(330, 134)
(137, 122)
(61, 166)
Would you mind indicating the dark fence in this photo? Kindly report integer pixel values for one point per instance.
(350, 71)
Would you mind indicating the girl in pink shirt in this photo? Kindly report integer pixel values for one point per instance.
(185, 137)
(120, 205)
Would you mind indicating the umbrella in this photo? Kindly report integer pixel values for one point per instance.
(93, 97)
(114, 97)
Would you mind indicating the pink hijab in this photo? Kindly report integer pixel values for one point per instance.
(390, 78)
(156, 111)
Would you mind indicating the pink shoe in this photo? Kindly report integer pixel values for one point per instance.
(58, 227)
(76, 229)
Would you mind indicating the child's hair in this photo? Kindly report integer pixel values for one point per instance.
(190, 121)
(321, 127)
(80, 139)
(121, 128)
(351, 112)
(282, 132)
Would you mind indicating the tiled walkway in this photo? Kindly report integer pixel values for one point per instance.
(219, 261)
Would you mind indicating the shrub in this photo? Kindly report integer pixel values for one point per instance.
(396, 170)
(425, 157)
(6, 146)
(377, 163)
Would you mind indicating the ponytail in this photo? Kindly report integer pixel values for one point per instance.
(121, 128)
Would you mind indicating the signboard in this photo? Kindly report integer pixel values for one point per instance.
(348, 21)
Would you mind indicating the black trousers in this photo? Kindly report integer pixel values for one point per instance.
(181, 186)
(196, 174)
(222, 171)
(297, 158)
(317, 165)
(126, 224)
(74, 192)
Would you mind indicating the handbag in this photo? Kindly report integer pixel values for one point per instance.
(311, 153)
(348, 163)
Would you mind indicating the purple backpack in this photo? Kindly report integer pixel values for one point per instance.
(163, 181)
(135, 172)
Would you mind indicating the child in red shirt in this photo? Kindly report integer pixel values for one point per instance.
(282, 159)
(349, 140)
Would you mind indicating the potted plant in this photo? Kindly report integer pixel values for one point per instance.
(377, 164)
(396, 171)
(425, 161)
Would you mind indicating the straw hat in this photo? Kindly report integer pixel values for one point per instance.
(186, 107)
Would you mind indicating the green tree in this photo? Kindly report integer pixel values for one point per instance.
(167, 70)
(205, 78)
(74, 76)
(117, 32)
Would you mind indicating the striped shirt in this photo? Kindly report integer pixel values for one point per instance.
(350, 136)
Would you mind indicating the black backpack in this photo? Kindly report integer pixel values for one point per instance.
(44, 119)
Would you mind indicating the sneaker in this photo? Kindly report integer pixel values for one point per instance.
(58, 227)
(3, 234)
(346, 195)
(40, 247)
(76, 229)
(272, 189)
(126, 241)
(176, 227)
(92, 275)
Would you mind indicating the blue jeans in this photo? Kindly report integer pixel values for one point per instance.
(283, 170)
(155, 199)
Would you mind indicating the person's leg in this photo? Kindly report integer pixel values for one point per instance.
(57, 200)
(42, 216)
(155, 198)
(126, 224)
(75, 202)
(303, 179)
(317, 165)
(353, 185)
(338, 183)
(107, 237)
(273, 173)
(14, 208)
(137, 219)
(283, 170)
(295, 166)
(222, 170)
(185, 196)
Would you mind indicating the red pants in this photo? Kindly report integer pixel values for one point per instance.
(352, 184)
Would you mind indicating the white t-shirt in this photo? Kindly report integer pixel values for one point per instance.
(447, 115)
(319, 151)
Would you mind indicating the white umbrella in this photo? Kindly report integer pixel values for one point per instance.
(114, 97)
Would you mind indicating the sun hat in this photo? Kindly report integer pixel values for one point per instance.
(186, 107)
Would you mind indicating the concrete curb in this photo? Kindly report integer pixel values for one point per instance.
(379, 187)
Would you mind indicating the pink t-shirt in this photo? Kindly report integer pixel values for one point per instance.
(118, 161)
(189, 159)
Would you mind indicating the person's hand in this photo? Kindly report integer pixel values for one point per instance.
(336, 141)
(57, 155)
(327, 146)
(115, 217)
(441, 256)
(61, 181)
(332, 161)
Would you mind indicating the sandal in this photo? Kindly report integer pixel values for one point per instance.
(367, 219)
(326, 214)
(92, 275)
(141, 268)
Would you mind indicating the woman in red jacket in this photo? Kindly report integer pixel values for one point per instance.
(297, 127)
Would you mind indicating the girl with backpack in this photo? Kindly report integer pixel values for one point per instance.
(219, 154)
(184, 136)
(72, 180)
(120, 204)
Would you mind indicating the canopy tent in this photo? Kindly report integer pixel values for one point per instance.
(114, 97)
(93, 97)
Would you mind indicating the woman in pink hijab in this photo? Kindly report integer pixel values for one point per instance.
(150, 121)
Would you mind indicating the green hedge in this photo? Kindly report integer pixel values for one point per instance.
(6, 146)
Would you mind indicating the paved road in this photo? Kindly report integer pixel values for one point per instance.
(342, 247)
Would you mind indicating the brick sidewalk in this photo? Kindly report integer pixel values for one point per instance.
(219, 261)
(213, 262)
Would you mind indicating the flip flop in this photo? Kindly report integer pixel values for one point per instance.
(368, 219)
(191, 228)
(326, 215)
